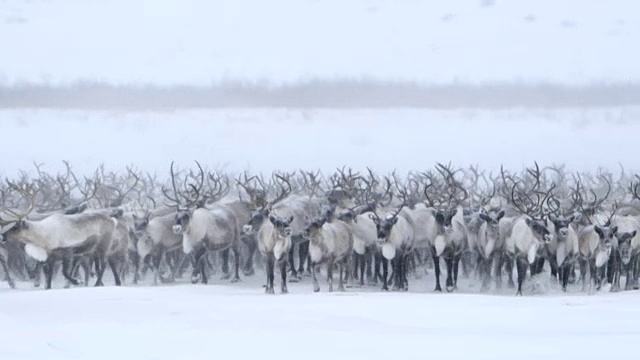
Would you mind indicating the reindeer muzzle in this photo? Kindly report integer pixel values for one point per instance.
(563, 233)
(177, 229)
(247, 229)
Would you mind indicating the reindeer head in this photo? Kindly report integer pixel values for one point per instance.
(624, 245)
(384, 226)
(313, 226)
(256, 220)
(606, 234)
(539, 229)
(561, 225)
(182, 219)
(281, 225)
(444, 219)
(492, 218)
(140, 224)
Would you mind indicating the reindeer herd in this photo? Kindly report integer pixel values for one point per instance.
(358, 228)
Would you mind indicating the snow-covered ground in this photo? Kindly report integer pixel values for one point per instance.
(264, 140)
(224, 320)
(203, 42)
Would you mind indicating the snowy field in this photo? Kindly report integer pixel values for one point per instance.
(240, 321)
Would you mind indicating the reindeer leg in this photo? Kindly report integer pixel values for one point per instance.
(48, 272)
(303, 251)
(583, 273)
(436, 265)
(292, 265)
(456, 264)
(102, 261)
(271, 259)
(449, 282)
(314, 271)
(283, 275)
(521, 265)
(226, 275)
(497, 267)
(341, 273)
(236, 256)
(5, 268)
(385, 273)
(252, 245)
(509, 268)
(362, 264)
(566, 271)
(372, 278)
(330, 274)
(114, 270)
(67, 270)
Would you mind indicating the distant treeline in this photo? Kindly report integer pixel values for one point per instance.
(318, 94)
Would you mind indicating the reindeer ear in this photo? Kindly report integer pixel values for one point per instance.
(394, 220)
(454, 212)
(289, 220)
(484, 217)
(440, 217)
(273, 220)
(614, 229)
(598, 230)
(500, 215)
(633, 234)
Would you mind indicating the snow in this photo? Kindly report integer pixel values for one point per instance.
(227, 321)
(199, 42)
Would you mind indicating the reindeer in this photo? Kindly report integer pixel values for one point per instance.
(204, 230)
(274, 237)
(329, 243)
(563, 250)
(62, 236)
(486, 243)
(395, 241)
(447, 233)
(529, 232)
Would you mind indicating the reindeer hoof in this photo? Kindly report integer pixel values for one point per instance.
(284, 290)
(235, 280)
(316, 289)
(450, 288)
(249, 272)
(225, 277)
(438, 289)
(270, 291)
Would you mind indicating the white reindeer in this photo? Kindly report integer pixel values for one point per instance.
(63, 236)
(395, 241)
(329, 243)
(529, 234)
